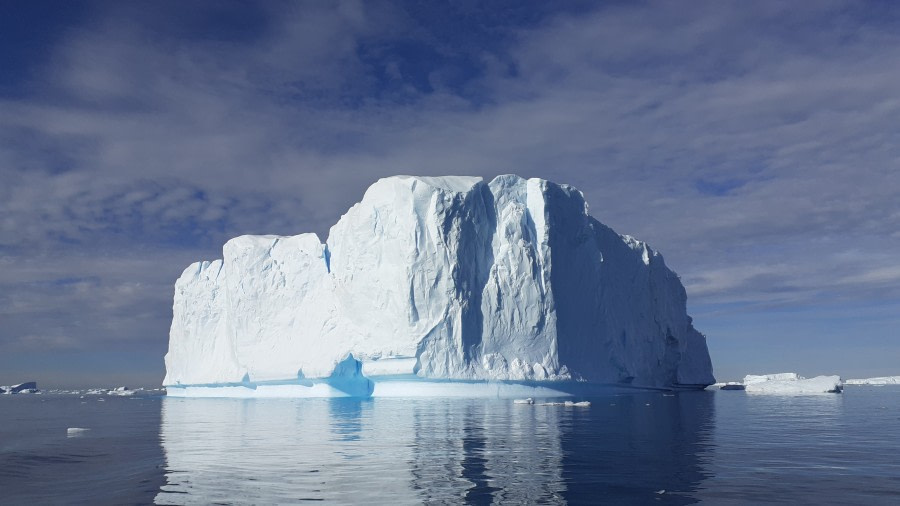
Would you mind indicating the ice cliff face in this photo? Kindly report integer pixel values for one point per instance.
(439, 278)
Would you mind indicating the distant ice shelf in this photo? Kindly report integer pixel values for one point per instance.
(437, 286)
(882, 380)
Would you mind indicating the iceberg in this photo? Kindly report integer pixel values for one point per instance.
(29, 387)
(796, 385)
(447, 286)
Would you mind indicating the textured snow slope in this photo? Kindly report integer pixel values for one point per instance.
(438, 279)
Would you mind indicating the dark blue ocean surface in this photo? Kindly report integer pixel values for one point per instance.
(629, 448)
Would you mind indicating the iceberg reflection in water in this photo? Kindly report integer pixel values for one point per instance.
(622, 449)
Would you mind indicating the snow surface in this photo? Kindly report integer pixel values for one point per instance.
(437, 278)
(782, 376)
(797, 386)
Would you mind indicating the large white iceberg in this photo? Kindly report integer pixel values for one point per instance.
(495, 287)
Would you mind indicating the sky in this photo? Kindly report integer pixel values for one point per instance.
(755, 144)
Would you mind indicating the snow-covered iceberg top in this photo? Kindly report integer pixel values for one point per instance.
(781, 376)
(882, 380)
(436, 279)
(793, 384)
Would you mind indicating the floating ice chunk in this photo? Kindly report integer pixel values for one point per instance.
(568, 404)
(76, 431)
(524, 401)
(817, 385)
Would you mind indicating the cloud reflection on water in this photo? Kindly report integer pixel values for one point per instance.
(396, 451)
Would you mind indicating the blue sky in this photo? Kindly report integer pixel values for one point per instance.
(755, 144)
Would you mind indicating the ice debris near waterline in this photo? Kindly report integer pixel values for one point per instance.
(436, 279)
(569, 404)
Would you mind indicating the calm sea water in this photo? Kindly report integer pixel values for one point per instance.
(632, 448)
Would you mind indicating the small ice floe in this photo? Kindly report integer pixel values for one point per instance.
(568, 404)
(76, 431)
(101, 399)
(661, 492)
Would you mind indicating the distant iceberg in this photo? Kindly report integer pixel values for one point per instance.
(794, 384)
(437, 286)
(883, 380)
(785, 383)
(29, 387)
